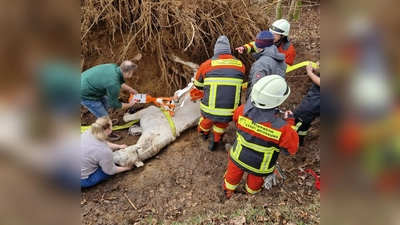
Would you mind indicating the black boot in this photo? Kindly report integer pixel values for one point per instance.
(301, 140)
(204, 136)
(213, 145)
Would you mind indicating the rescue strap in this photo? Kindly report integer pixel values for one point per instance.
(170, 121)
(317, 181)
(298, 65)
(125, 126)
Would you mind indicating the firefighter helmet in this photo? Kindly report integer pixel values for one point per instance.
(281, 26)
(269, 92)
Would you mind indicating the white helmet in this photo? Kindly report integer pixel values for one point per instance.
(269, 92)
(281, 26)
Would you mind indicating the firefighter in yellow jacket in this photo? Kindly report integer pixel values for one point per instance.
(221, 78)
(261, 135)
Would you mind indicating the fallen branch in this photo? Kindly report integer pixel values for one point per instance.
(301, 167)
(130, 202)
(289, 171)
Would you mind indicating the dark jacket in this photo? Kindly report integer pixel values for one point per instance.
(309, 108)
(261, 136)
(101, 80)
(221, 77)
(270, 62)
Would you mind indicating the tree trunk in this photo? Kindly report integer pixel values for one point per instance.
(278, 10)
(294, 9)
(297, 9)
(291, 9)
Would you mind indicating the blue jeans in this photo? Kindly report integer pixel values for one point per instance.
(94, 178)
(97, 108)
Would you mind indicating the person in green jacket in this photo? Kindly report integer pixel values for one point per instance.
(100, 87)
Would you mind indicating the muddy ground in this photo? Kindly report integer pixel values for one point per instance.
(183, 182)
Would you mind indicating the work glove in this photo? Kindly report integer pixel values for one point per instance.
(270, 180)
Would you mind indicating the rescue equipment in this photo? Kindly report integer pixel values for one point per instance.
(170, 104)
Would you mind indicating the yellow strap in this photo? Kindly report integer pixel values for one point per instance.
(170, 121)
(298, 65)
(125, 126)
(291, 68)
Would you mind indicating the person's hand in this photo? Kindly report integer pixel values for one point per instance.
(311, 69)
(133, 102)
(128, 167)
(240, 49)
(122, 146)
(288, 114)
(133, 91)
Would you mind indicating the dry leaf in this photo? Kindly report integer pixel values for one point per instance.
(238, 220)
(262, 219)
(299, 200)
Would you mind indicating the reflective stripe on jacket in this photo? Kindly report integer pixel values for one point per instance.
(221, 77)
(258, 144)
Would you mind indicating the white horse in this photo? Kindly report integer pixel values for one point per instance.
(157, 131)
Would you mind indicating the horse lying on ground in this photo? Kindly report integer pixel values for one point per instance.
(157, 131)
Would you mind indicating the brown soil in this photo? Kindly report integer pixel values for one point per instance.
(184, 179)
